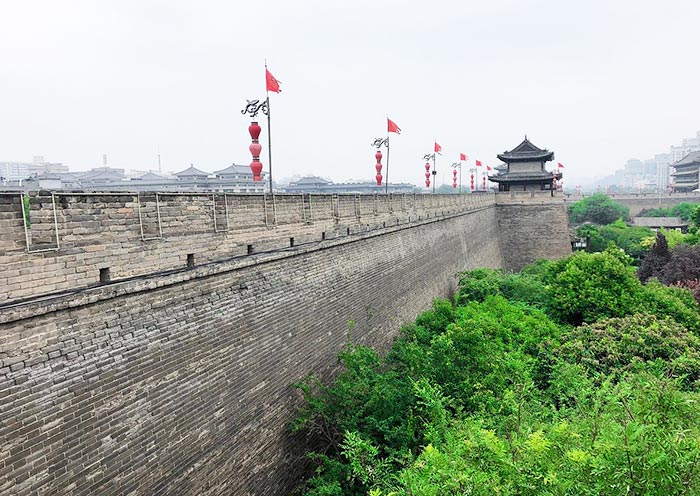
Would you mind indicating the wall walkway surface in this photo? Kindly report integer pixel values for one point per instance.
(177, 380)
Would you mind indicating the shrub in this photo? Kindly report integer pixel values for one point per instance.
(586, 287)
(614, 346)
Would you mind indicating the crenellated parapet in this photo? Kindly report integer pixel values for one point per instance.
(71, 240)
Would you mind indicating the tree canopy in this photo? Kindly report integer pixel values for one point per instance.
(570, 377)
(599, 209)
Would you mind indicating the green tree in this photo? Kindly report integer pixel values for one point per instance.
(599, 209)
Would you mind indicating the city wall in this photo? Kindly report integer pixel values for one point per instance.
(173, 375)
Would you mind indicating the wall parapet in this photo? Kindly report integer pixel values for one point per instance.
(75, 240)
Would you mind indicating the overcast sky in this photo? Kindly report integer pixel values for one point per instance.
(596, 81)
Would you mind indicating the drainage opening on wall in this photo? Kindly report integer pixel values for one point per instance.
(249, 249)
(291, 241)
(323, 235)
(190, 260)
(105, 275)
(348, 231)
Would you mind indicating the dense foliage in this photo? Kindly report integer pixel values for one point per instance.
(599, 209)
(632, 239)
(571, 377)
(686, 211)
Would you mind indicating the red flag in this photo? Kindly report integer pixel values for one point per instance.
(438, 148)
(559, 165)
(392, 127)
(478, 164)
(271, 83)
(488, 167)
(462, 156)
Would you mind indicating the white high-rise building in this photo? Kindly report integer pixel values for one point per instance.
(16, 172)
(687, 145)
(662, 173)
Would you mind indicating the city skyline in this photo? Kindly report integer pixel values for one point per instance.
(595, 83)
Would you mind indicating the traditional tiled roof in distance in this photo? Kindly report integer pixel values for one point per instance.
(191, 171)
(526, 152)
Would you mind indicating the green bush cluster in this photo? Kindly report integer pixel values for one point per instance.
(687, 211)
(598, 209)
(569, 378)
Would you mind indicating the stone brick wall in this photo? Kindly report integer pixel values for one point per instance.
(179, 381)
(532, 225)
(72, 236)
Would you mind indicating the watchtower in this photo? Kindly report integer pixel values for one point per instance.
(525, 169)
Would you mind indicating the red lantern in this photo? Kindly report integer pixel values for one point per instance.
(378, 177)
(427, 175)
(484, 182)
(472, 185)
(255, 149)
(254, 130)
(427, 166)
(427, 182)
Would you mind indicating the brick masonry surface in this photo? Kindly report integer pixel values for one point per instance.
(73, 236)
(532, 225)
(178, 381)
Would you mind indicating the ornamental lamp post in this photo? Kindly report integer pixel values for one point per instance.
(430, 156)
(253, 107)
(378, 143)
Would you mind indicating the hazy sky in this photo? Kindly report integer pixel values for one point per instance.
(596, 81)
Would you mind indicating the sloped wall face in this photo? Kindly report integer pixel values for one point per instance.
(532, 225)
(181, 383)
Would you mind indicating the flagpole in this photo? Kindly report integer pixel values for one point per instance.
(269, 140)
(269, 133)
(460, 177)
(386, 183)
(434, 171)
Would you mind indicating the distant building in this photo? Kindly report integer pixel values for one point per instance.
(663, 161)
(314, 184)
(686, 176)
(13, 173)
(526, 169)
(687, 145)
(657, 223)
(233, 179)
